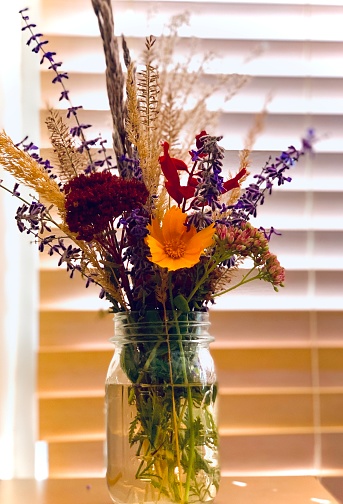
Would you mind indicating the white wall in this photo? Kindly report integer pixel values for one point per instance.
(19, 89)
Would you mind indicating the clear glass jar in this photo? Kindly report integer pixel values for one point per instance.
(161, 390)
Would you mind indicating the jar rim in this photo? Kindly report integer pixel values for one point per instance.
(190, 326)
(160, 312)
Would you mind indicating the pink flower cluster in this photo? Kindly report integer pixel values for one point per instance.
(272, 271)
(247, 241)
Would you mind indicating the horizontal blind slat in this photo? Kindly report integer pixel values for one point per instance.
(291, 96)
(92, 329)
(280, 130)
(321, 23)
(288, 59)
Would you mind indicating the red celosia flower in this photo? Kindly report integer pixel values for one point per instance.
(95, 200)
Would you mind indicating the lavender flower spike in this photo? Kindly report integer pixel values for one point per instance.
(254, 194)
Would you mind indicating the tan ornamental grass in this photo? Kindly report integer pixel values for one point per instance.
(27, 171)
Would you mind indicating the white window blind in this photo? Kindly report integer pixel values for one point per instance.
(279, 355)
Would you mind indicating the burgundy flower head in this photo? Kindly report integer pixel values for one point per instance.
(94, 201)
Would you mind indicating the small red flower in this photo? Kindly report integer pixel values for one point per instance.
(170, 168)
(234, 182)
(199, 142)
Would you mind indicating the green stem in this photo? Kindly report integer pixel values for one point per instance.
(11, 192)
(191, 458)
(244, 280)
(208, 271)
(144, 370)
(176, 423)
(191, 438)
(49, 218)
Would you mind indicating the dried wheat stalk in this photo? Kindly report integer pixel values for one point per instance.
(114, 77)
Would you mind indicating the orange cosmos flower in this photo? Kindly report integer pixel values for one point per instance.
(175, 246)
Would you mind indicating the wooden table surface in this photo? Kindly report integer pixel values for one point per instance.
(258, 490)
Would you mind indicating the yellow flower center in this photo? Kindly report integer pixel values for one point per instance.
(175, 248)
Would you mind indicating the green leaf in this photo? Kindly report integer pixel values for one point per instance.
(181, 304)
(132, 430)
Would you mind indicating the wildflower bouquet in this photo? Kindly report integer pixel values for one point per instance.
(162, 236)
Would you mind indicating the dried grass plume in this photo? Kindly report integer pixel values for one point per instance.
(26, 170)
